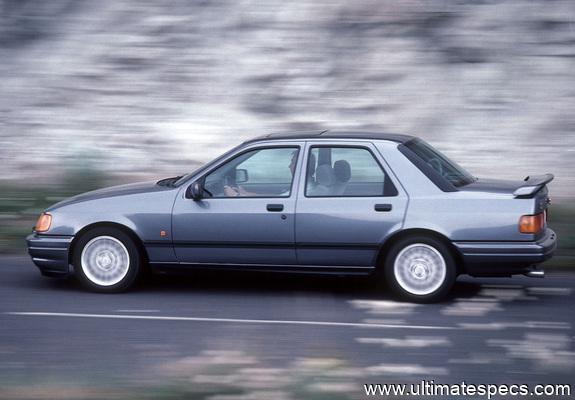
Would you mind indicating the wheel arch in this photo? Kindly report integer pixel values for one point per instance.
(107, 224)
(397, 236)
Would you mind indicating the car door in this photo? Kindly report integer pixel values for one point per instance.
(348, 203)
(246, 213)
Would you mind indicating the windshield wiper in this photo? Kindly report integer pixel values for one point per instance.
(169, 181)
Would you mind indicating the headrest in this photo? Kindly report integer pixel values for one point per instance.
(342, 171)
(324, 175)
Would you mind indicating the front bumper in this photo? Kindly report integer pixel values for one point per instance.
(50, 253)
(506, 258)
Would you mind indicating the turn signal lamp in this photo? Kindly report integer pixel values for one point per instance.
(43, 223)
(532, 223)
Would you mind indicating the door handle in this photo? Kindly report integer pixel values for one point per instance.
(382, 207)
(275, 207)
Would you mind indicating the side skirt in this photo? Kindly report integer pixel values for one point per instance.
(166, 267)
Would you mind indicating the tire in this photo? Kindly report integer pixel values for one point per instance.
(107, 260)
(420, 269)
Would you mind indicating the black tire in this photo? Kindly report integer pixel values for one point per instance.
(88, 276)
(421, 267)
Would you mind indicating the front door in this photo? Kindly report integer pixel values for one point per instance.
(246, 215)
(347, 206)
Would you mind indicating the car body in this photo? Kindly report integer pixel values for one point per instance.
(347, 203)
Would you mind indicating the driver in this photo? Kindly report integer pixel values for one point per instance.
(238, 191)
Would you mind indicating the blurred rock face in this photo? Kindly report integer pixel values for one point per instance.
(148, 88)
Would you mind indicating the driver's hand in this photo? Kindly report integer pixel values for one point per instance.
(230, 191)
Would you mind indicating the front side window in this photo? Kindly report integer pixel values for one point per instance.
(345, 172)
(258, 173)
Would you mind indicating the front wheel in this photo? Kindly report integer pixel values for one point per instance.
(106, 260)
(420, 269)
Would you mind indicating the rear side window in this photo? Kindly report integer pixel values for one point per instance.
(431, 159)
(346, 172)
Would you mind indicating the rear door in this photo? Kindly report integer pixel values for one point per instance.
(348, 203)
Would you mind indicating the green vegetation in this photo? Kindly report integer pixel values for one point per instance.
(20, 206)
(562, 221)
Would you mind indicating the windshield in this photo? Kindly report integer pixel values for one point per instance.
(440, 163)
(186, 177)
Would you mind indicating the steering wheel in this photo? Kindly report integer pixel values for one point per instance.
(228, 181)
(213, 187)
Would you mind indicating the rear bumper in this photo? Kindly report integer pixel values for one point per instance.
(506, 258)
(50, 253)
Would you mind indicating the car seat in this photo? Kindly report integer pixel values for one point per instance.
(325, 179)
(342, 172)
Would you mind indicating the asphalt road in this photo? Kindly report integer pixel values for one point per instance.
(517, 330)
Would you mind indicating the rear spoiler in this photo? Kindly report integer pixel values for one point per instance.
(532, 185)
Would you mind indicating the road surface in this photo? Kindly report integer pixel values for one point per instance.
(516, 330)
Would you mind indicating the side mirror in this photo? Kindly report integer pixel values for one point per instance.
(195, 191)
(241, 176)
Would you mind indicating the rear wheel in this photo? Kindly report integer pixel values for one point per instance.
(420, 269)
(106, 260)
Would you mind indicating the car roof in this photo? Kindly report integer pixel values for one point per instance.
(333, 135)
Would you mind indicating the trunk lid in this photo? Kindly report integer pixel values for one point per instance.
(532, 187)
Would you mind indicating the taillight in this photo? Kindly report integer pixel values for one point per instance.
(43, 223)
(532, 223)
